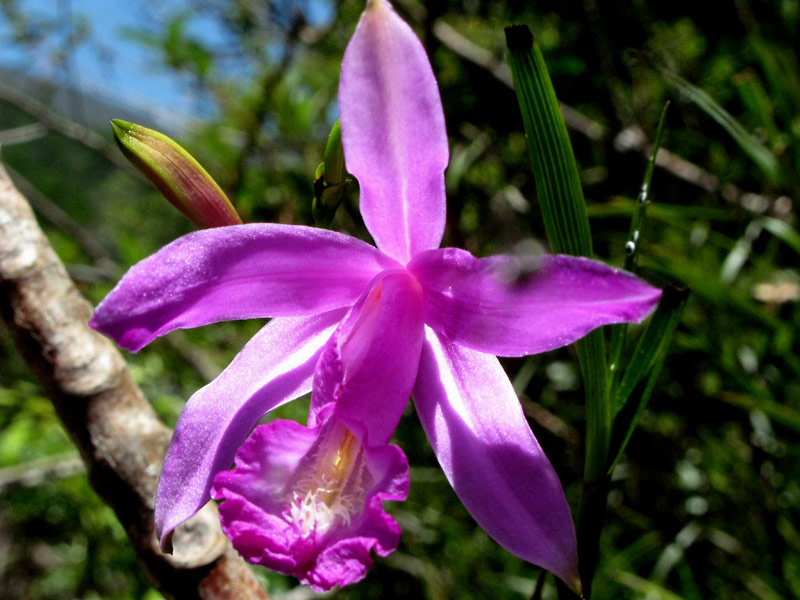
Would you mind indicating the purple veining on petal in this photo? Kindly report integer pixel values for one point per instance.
(475, 424)
(508, 306)
(393, 133)
(308, 501)
(238, 272)
(274, 367)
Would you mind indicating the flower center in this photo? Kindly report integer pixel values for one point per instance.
(331, 489)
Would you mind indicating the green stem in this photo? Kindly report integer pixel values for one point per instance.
(599, 411)
(599, 419)
(539, 587)
(591, 516)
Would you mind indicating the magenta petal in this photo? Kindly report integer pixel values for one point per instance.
(274, 367)
(238, 272)
(477, 429)
(308, 501)
(393, 133)
(370, 364)
(512, 306)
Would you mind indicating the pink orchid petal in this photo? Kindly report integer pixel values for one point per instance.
(308, 501)
(393, 133)
(510, 306)
(369, 366)
(477, 429)
(275, 367)
(238, 272)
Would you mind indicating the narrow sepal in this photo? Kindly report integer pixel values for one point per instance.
(512, 306)
(482, 440)
(244, 272)
(393, 133)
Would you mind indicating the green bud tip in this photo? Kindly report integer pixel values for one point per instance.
(335, 168)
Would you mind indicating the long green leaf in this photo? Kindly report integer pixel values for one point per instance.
(643, 587)
(637, 221)
(654, 341)
(564, 213)
(554, 168)
(780, 413)
(567, 226)
(711, 289)
(563, 210)
(757, 101)
(779, 66)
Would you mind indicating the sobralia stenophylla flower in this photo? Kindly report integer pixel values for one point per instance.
(368, 327)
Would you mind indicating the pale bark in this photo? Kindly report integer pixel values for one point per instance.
(119, 437)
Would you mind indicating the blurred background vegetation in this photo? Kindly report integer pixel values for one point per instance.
(705, 503)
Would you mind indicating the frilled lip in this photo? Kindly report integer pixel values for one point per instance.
(307, 501)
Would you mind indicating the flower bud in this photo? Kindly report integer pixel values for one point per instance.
(331, 180)
(176, 174)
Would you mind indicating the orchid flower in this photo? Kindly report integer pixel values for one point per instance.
(366, 328)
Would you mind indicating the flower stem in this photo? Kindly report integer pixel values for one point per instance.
(591, 518)
(599, 415)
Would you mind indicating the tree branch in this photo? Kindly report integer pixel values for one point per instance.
(119, 437)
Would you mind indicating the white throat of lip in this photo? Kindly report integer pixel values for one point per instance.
(332, 491)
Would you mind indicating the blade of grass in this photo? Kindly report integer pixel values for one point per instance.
(778, 65)
(632, 249)
(619, 207)
(713, 291)
(554, 167)
(563, 211)
(654, 342)
(780, 413)
(757, 101)
(643, 587)
(647, 361)
(637, 222)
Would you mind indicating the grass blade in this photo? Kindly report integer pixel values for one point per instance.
(564, 213)
(554, 168)
(632, 248)
(647, 361)
(567, 226)
(783, 231)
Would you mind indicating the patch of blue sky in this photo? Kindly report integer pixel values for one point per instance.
(113, 66)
